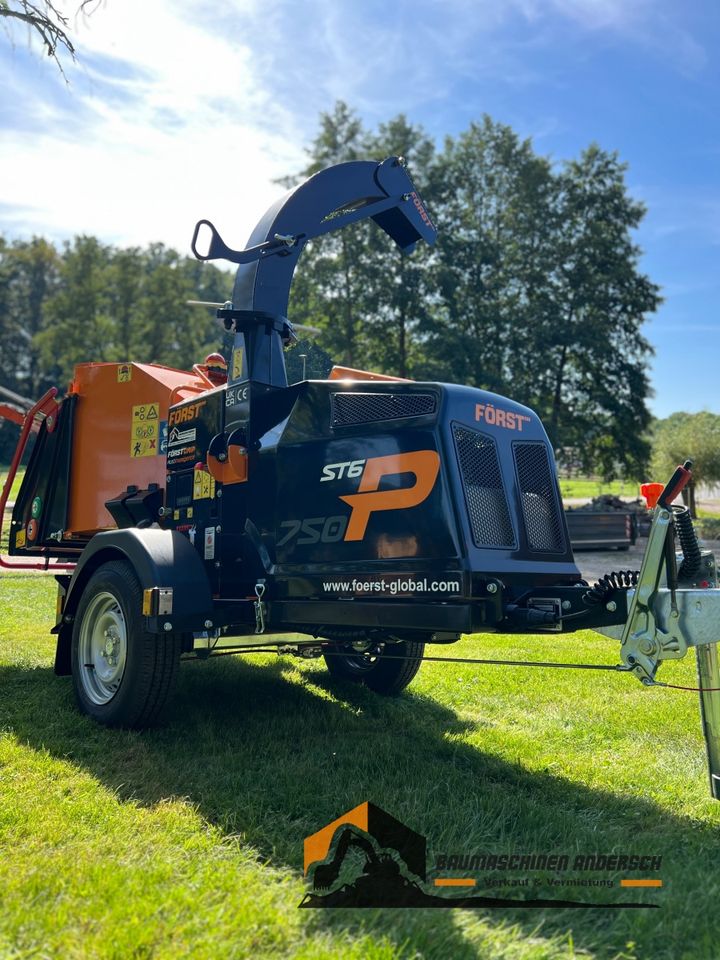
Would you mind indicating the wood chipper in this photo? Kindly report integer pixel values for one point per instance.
(357, 518)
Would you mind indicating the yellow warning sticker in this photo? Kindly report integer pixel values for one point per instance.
(203, 485)
(237, 363)
(124, 373)
(144, 434)
(20, 539)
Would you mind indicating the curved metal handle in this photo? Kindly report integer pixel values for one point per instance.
(219, 250)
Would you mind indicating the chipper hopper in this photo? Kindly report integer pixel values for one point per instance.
(357, 518)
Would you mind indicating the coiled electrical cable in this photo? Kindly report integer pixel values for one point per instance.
(607, 585)
(692, 556)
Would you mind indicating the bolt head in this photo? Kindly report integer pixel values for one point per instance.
(208, 624)
(167, 626)
(492, 588)
(611, 606)
(566, 604)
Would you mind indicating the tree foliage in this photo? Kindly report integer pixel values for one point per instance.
(93, 302)
(44, 22)
(687, 435)
(533, 289)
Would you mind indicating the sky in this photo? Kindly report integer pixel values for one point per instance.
(178, 110)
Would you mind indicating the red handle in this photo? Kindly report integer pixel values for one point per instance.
(676, 484)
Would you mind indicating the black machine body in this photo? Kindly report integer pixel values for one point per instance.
(379, 505)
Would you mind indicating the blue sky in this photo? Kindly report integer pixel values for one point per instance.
(178, 110)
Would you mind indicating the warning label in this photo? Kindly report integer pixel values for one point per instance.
(203, 485)
(163, 437)
(124, 373)
(209, 543)
(145, 432)
(237, 363)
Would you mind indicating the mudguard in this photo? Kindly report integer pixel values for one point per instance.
(160, 558)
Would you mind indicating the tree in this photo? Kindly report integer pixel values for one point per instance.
(29, 272)
(93, 302)
(400, 294)
(596, 385)
(493, 211)
(540, 292)
(45, 21)
(687, 435)
(79, 325)
(131, 304)
(28, 278)
(533, 290)
(367, 297)
(332, 284)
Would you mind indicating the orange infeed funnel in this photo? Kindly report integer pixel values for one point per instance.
(119, 434)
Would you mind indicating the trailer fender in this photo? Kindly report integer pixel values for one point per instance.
(160, 558)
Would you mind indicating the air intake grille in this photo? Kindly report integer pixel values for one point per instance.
(484, 494)
(350, 408)
(541, 510)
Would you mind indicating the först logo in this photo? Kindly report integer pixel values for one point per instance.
(497, 417)
(417, 203)
(424, 465)
(183, 414)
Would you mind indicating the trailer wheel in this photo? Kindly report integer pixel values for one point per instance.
(383, 674)
(122, 674)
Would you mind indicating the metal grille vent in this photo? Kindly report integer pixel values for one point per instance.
(484, 494)
(541, 510)
(350, 408)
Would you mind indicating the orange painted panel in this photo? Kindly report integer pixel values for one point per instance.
(116, 434)
(350, 373)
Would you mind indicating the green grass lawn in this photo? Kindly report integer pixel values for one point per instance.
(13, 494)
(187, 841)
(16, 482)
(584, 487)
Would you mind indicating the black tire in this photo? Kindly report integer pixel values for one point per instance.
(122, 675)
(383, 674)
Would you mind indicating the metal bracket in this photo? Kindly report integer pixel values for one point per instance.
(260, 608)
(643, 642)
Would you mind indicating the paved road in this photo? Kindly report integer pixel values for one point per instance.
(594, 563)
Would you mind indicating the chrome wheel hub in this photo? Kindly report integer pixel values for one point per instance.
(102, 648)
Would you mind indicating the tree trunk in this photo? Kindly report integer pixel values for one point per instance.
(557, 397)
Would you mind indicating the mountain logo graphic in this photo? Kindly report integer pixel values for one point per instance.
(368, 858)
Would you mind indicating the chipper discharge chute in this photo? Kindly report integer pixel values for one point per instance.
(354, 518)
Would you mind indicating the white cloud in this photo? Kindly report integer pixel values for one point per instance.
(137, 148)
(179, 110)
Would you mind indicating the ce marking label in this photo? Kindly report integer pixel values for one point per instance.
(236, 395)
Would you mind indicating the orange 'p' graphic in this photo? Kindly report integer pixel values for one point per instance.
(424, 464)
